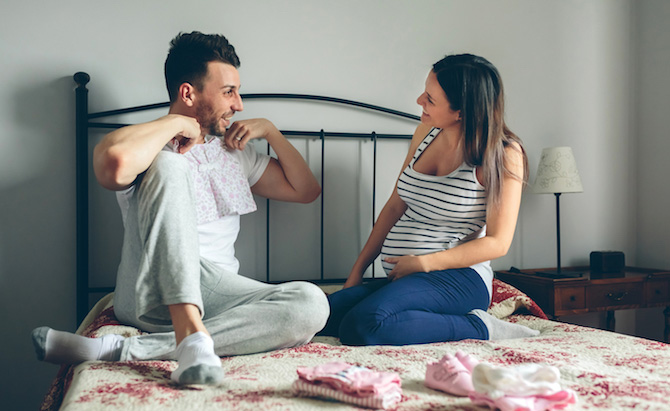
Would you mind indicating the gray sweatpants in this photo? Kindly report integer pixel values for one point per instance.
(161, 265)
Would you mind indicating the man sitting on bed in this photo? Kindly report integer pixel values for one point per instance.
(182, 182)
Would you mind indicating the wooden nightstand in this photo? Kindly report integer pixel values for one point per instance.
(634, 288)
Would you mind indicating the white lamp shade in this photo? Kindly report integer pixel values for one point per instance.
(557, 172)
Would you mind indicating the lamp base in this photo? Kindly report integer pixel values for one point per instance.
(559, 274)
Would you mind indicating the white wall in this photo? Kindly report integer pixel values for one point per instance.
(568, 70)
(652, 138)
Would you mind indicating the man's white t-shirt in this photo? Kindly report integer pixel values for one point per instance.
(214, 169)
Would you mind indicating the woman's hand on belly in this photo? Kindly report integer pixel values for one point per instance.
(406, 265)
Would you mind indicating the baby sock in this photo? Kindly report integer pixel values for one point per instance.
(449, 375)
(500, 330)
(198, 364)
(61, 347)
(468, 361)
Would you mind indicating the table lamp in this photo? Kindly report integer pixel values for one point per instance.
(557, 174)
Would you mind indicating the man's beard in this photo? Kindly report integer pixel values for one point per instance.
(209, 122)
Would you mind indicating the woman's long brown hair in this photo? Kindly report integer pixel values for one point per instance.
(473, 85)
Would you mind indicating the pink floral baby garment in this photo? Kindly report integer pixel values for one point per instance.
(351, 384)
(524, 387)
(220, 186)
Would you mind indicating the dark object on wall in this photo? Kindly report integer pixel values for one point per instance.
(606, 262)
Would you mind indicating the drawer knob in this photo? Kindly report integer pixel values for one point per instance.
(573, 298)
(617, 297)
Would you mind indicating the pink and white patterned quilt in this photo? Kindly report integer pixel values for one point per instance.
(608, 371)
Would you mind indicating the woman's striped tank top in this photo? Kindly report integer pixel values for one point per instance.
(442, 211)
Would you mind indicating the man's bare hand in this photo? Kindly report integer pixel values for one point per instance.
(190, 132)
(242, 131)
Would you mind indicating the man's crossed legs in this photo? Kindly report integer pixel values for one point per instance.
(194, 310)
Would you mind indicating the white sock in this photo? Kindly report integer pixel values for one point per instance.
(501, 330)
(198, 364)
(61, 347)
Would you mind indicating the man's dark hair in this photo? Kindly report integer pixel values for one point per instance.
(188, 57)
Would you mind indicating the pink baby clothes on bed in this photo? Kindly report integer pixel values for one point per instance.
(522, 380)
(451, 374)
(525, 387)
(348, 383)
(556, 401)
(220, 186)
(308, 389)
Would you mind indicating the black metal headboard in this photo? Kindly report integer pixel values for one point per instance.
(86, 121)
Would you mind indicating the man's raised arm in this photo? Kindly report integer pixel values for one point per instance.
(125, 153)
(288, 178)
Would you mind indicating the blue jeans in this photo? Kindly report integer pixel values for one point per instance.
(416, 309)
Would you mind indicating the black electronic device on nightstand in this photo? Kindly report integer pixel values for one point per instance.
(607, 263)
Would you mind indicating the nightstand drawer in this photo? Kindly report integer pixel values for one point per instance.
(611, 295)
(570, 298)
(658, 292)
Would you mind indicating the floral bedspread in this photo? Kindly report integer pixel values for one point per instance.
(607, 370)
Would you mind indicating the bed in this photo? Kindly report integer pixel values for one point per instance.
(606, 370)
